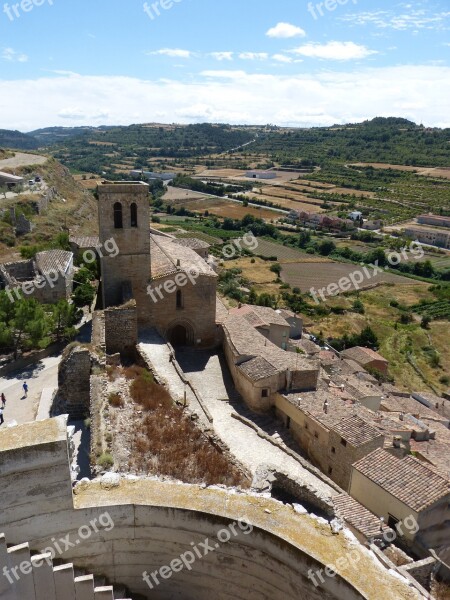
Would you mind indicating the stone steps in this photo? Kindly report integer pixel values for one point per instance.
(34, 577)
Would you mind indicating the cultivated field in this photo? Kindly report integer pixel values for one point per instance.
(318, 275)
(285, 253)
(425, 171)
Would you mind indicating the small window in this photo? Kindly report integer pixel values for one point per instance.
(179, 300)
(316, 435)
(343, 442)
(265, 393)
(133, 211)
(306, 426)
(118, 218)
(392, 521)
(333, 450)
(330, 470)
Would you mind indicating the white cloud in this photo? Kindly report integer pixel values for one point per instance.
(417, 92)
(253, 55)
(172, 52)
(388, 19)
(11, 55)
(334, 51)
(282, 58)
(285, 30)
(222, 55)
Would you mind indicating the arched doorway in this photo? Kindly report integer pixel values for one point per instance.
(181, 334)
(178, 336)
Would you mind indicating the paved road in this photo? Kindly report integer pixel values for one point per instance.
(39, 376)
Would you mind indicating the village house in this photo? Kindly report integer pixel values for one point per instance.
(48, 277)
(267, 321)
(395, 489)
(367, 358)
(260, 369)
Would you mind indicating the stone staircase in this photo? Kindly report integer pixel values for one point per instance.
(28, 576)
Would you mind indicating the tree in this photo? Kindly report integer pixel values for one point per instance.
(327, 247)
(65, 316)
(368, 338)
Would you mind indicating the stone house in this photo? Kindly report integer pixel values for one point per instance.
(260, 369)
(48, 277)
(295, 323)
(267, 321)
(367, 358)
(395, 489)
(332, 439)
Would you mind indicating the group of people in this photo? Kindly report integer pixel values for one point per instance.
(3, 401)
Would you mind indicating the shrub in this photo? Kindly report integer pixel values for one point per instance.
(116, 400)
(105, 460)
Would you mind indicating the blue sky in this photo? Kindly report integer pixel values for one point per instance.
(290, 62)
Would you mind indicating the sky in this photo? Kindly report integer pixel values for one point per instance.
(284, 62)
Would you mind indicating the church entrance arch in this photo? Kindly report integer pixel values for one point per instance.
(181, 333)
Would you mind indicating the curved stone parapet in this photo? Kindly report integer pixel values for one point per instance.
(199, 543)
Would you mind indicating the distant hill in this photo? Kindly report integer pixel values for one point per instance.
(387, 140)
(53, 135)
(17, 140)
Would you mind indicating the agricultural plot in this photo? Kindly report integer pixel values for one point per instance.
(285, 253)
(319, 275)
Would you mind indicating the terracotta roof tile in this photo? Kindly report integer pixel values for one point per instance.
(409, 480)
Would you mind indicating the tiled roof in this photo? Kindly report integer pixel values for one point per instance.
(257, 368)
(362, 355)
(409, 405)
(247, 341)
(85, 242)
(409, 480)
(359, 517)
(356, 431)
(193, 243)
(169, 258)
(53, 260)
(259, 316)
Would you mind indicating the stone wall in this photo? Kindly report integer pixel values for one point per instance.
(197, 315)
(73, 397)
(98, 330)
(121, 329)
(132, 263)
(149, 523)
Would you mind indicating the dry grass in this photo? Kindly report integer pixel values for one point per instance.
(168, 443)
(116, 400)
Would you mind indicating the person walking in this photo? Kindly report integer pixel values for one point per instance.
(2, 420)
(3, 399)
(25, 388)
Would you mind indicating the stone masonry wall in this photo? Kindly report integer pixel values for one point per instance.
(121, 331)
(73, 396)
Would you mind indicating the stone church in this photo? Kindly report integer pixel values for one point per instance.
(171, 283)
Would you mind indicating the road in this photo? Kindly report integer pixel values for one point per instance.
(42, 375)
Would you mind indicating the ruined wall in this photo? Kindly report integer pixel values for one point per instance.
(121, 329)
(73, 397)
